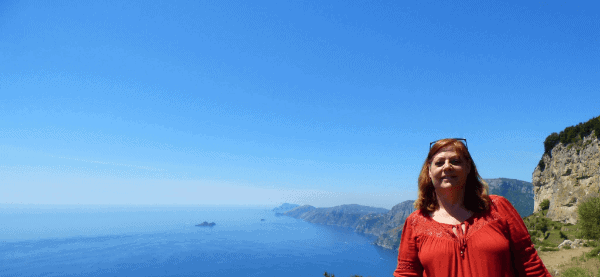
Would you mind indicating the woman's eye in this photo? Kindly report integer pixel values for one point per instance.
(439, 163)
(455, 162)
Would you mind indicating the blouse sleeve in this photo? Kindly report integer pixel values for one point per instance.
(408, 259)
(525, 259)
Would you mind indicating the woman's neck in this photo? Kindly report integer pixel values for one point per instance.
(451, 199)
(451, 207)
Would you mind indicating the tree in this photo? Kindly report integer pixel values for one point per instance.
(589, 218)
(545, 205)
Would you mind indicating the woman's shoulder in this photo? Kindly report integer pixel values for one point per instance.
(416, 213)
(498, 200)
(501, 204)
(416, 217)
(494, 197)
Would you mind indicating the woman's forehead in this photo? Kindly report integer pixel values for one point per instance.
(446, 151)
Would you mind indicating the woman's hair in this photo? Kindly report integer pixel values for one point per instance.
(476, 190)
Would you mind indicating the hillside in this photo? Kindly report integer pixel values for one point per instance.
(519, 193)
(343, 215)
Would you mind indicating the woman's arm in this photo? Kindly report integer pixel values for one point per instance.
(408, 259)
(525, 259)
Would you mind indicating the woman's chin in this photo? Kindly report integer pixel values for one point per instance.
(448, 184)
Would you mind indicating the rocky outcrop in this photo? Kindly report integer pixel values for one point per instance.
(379, 224)
(344, 215)
(389, 234)
(390, 239)
(519, 193)
(285, 207)
(566, 175)
(572, 244)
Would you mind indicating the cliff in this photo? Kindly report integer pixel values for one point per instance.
(567, 173)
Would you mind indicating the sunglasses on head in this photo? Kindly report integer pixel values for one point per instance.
(464, 140)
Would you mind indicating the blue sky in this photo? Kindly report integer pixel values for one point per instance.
(260, 103)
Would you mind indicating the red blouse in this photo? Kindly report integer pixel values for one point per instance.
(495, 243)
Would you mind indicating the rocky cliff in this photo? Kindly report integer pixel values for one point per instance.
(566, 175)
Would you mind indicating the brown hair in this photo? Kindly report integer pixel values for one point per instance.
(476, 190)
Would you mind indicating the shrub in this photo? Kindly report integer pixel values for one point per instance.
(594, 252)
(542, 226)
(574, 272)
(533, 233)
(590, 243)
(545, 205)
(589, 218)
(551, 141)
(542, 165)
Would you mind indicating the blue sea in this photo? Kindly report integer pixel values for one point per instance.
(163, 241)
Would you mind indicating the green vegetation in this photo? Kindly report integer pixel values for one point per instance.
(547, 234)
(575, 272)
(589, 218)
(545, 204)
(572, 134)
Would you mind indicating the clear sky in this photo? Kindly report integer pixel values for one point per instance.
(260, 103)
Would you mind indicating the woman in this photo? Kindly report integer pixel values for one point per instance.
(457, 229)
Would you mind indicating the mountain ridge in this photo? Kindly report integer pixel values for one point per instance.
(386, 225)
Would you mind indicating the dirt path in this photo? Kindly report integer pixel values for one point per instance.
(557, 258)
(557, 261)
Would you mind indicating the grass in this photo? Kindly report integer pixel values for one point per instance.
(546, 234)
(576, 272)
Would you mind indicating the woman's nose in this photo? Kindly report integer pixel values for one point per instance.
(447, 166)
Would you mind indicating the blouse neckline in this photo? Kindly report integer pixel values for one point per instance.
(468, 220)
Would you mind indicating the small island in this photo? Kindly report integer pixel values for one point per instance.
(206, 224)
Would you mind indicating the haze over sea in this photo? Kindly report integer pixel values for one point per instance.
(50, 240)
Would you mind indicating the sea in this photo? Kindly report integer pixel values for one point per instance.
(40, 240)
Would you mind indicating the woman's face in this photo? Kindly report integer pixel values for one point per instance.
(448, 169)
